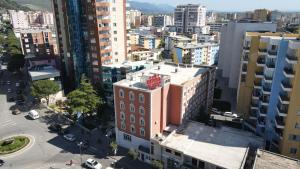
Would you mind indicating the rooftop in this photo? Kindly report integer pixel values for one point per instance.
(42, 72)
(129, 64)
(268, 160)
(225, 147)
(199, 45)
(178, 74)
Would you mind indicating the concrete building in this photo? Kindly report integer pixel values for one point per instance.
(268, 92)
(261, 15)
(162, 21)
(215, 26)
(117, 72)
(150, 100)
(195, 145)
(173, 40)
(89, 38)
(189, 18)
(201, 53)
(135, 17)
(38, 42)
(19, 19)
(268, 160)
(231, 46)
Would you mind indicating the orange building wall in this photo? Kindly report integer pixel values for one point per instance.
(174, 108)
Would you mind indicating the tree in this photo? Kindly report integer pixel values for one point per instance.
(84, 99)
(162, 43)
(156, 164)
(114, 147)
(44, 88)
(133, 154)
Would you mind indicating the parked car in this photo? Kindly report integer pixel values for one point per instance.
(33, 114)
(70, 137)
(55, 127)
(92, 164)
(230, 114)
(16, 112)
(1, 162)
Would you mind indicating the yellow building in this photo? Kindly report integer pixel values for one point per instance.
(261, 14)
(269, 89)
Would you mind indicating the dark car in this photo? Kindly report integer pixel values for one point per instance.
(1, 162)
(55, 127)
(11, 99)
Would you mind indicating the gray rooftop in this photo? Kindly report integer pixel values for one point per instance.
(268, 160)
(43, 72)
(225, 147)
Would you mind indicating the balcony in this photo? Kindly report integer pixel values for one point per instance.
(286, 86)
(263, 112)
(265, 101)
(272, 52)
(244, 70)
(257, 85)
(261, 62)
(261, 122)
(268, 79)
(279, 132)
(270, 65)
(291, 59)
(281, 111)
(254, 106)
(289, 73)
(284, 98)
(259, 74)
(266, 90)
(246, 47)
(255, 95)
(279, 122)
(262, 51)
(253, 114)
(245, 58)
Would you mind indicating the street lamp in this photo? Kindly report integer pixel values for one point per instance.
(80, 144)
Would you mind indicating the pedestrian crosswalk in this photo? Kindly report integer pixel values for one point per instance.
(7, 123)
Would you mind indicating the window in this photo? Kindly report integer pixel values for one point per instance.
(141, 110)
(123, 125)
(115, 32)
(121, 93)
(294, 137)
(142, 121)
(293, 150)
(115, 24)
(177, 154)
(122, 116)
(132, 118)
(131, 96)
(141, 98)
(142, 131)
(127, 137)
(132, 109)
(152, 148)
(297, 125)
(168, 150)
(298, 113)
(194, 162)
(115, 39)
(201, 164)
(132, 129)
(122, 105)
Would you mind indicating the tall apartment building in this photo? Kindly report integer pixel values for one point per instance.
(189, 18)
(135, 17)
(261, 15)
(162, 21)
(19, 19)
(201, 53)
(38, 42)
(149, 100)
(90, 33)
(269, 92)
(230, 47)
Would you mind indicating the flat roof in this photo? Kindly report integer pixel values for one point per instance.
(129, 64)
(268, 160)
(199, 45)
(224, 147)
(43, 72)
(183, 74)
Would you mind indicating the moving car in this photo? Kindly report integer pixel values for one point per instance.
(16, 112)
(230, 114)
(70, 137)
(33, 114)
(92, 164)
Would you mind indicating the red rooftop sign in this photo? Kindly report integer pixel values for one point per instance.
(153, 82)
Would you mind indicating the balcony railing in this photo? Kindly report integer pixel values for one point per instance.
(246, 47)
(279, 132)
(263, 111)
(272, 52)
(268, 78)
(261, 122)
(289, 72)
(284, 98)
(262, 50)
(281, 111)
(292, 59)
(286, 85)
(257, 85)
(270, 65)
(279, 122)
(259, 74)
(266, 89)
(254, 105)
(253, 114)
(261, 61)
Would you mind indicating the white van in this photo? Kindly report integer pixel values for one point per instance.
(33, 114)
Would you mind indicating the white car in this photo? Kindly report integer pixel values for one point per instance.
(230, 114)
(93, 164)
(70, 137)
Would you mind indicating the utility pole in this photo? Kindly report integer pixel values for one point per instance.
(80, 144)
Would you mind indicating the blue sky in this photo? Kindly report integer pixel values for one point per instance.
(236, 5)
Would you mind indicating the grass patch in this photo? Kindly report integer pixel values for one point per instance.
(223, 106)
(217, 93)
(15, 144)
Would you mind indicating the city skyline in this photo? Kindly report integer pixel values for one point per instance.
(238, 6)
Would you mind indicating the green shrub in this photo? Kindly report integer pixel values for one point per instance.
(133, 154)
(156, 164)
(18, 143)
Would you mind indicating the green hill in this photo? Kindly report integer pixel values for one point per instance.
(36, 4)
(9, 4)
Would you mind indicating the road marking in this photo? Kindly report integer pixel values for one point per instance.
(8, 123)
